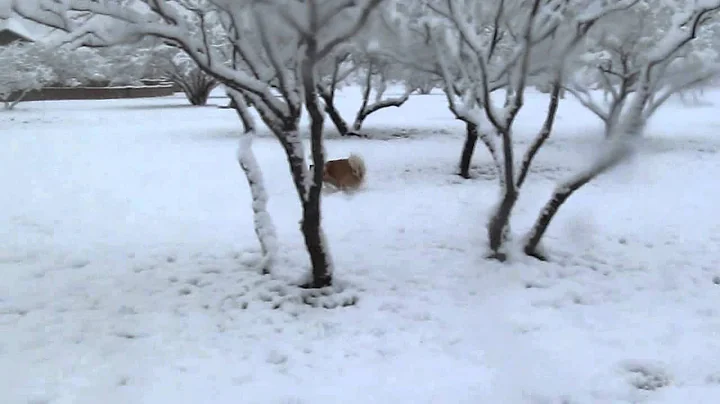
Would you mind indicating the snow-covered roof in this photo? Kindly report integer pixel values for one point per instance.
(16, 27)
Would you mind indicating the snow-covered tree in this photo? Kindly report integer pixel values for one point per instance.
(177, 67)
(264, 226)
(616, 50)
(173, 64)
(334, 72)
(660, 74)
(506, 45)
(377, 74)
(21, 72)
(270, 56)
(484, 47)
(489, 52)
(429, 43)
(357, 63)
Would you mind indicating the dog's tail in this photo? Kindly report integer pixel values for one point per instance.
(357, 164)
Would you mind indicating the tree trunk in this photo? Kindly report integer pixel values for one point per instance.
(613, 157)
(334, 114)
(322, 266)
(366, 110)
(558, 198)
(617, 105)
(199, 98)
(195, 84)
(498, 227)
(359, 120)
(471, 137)
(613, 116)
(309, 193)
(425, 88)
(367, 88)
(544, 134)
(200, 94)
(316, 245)
(11, 104)
(263, 223)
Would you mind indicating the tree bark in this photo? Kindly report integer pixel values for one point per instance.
(471, 137)
(322, 266)
(547, 214)
(367, 110)
(337, 119)
(367, 88)
(544, 134)
(316, 245)
(616, 155)
(615, 110)
(498, 227)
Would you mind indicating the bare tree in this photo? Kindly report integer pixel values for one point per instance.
(411, 45)
(374, 74)
(175, 66)
(466, 43)
(617, 54)
(377, 75)
(651, 90)
(171, 63)
(277, 44)
(334, 71)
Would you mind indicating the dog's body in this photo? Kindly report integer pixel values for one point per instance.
(345, 174)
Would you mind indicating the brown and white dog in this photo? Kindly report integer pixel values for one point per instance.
(345, 174)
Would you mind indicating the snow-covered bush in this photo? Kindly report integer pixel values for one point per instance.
(74, 66)
(125, 65)
(21, 72)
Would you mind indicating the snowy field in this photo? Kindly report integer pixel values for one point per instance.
(126, 235)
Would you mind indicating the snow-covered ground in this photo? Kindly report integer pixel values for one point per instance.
(125, 239)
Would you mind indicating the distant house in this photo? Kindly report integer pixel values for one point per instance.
(12, 30)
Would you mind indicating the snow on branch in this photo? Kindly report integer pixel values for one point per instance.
(647, 51)
(684, 28)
